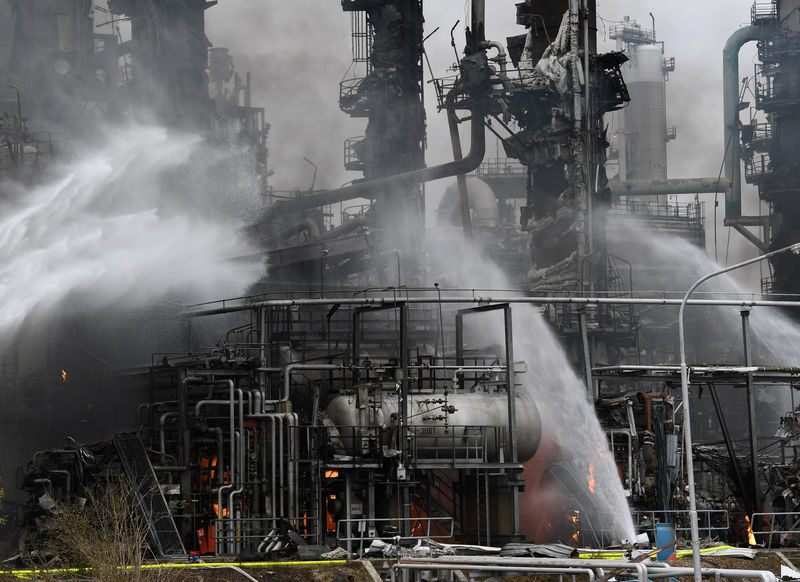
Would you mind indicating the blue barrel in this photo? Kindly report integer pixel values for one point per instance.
(665, 534)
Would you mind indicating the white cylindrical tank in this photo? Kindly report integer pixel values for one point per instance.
(436, 433)
(645, 134)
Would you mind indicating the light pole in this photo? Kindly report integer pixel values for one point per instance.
(687, 430)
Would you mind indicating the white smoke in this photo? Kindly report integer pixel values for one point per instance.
(122, 222)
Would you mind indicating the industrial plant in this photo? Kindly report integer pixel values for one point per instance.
(492, 363)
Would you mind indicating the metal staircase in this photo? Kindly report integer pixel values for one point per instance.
(163, 533)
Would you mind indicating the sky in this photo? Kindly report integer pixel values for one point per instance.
(299, 52)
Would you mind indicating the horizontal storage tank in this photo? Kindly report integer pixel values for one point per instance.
(461, 426)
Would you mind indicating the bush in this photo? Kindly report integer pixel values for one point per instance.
(104, 535)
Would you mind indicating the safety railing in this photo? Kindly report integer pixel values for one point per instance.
(455, 443)
(633, 32)
(395, 530)
(691, 211)
(774, 89)
(352, 150)
(757, 167)
(501, 167)
(776, 528)
(351, 100)
(710, 522)
(762, 13)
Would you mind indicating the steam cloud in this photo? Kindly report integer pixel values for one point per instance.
(122, 222)
(568, 418)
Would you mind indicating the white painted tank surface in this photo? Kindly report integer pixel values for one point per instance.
(646, 114)
(475, 428)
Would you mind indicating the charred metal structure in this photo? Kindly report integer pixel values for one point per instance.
(341, 414)
(769, 139)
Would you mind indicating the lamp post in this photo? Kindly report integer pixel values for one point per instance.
(687, 430)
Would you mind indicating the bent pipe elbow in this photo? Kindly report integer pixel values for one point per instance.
(367, 188)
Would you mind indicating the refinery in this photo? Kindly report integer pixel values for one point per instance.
(449, 291)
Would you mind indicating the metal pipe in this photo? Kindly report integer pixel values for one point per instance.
(230, 516)
(461, 178)
(730, 112)
(478, 25)
(751, 413)
(594, 564)
(489, 299)
(291, 368)
(161, 426)
(368, 188)
(717, 573)
(670, 186)
(220, 450)
(501, 58)
(479, 568)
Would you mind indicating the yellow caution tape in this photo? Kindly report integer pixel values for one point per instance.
(33, 572)
(616, 555)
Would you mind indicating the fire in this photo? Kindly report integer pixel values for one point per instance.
(751, 538)
(63, 375)
(591, 478)
(575, 518)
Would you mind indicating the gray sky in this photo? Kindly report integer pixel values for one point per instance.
(298, 53)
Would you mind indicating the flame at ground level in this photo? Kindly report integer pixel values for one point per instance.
(751, 538)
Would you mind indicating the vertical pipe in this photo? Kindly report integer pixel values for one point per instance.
(404, 414)
(461, 178)
(478, 24)
(730, 111)
(512, 419)
(587, 360)
(588, 142)
(347, 485)
(751, 412)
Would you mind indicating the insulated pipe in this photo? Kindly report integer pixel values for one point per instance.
(670, 186)
(466, 561)
(461, 178)
(730, 111)
(717, 573)
(162, 420)
(506, 569)
(291, 368)
(368, 188)
(275, 418)
(240, 461)
(349, 226)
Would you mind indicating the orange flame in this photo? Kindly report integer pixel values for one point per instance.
(591, 478)
(751, 538)
(63, 375)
